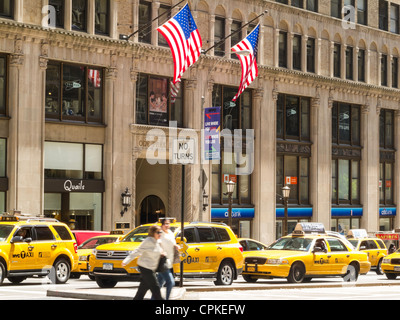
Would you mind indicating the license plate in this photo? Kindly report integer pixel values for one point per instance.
(396, 268)
(108, 266)
(251, 269)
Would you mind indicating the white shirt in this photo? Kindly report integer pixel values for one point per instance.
(168, 242)
(149, 253)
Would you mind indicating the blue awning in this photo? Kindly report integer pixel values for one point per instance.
(240, 213)
(347, 212)
(295, 212)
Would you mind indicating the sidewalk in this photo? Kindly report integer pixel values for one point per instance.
(128, 292)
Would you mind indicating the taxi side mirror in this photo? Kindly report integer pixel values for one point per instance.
(179, 240)
(17, 239)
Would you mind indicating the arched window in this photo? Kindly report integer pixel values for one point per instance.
(151, 209)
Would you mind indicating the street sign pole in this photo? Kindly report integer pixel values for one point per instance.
(182, 220)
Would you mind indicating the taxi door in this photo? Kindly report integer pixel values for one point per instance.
(210, 252)
(339, 256)
(191, 264)
(21, 252)
(320, 263)
(45, 246)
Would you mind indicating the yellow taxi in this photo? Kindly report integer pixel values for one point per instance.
(212, 251)
(307, 253)
(374, 247)
(35, 246)
(391, 265)
(85, 249)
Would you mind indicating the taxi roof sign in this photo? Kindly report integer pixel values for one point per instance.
(357, 233)
(172, 220)
(8, 218)
(308, 227)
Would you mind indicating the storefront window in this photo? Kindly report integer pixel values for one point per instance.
(81, 211)
(343, 225)
(345, 181)
(154, 104)
(73, 160)
(81, 89)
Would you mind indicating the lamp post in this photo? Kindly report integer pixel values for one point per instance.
(285, 198)
(230, 186)
(126, 201)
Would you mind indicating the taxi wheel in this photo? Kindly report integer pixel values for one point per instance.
(351, 273)
(391, 276)
(225, 274)
(297, 272)
(61, 271)
(379, 267)
(105, 283)
(2, 272)
(249, 279)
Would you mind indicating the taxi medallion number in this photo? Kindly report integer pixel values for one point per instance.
(108, 266)
(397, 268)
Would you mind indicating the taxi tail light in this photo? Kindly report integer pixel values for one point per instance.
(241, 248)
(75, 247)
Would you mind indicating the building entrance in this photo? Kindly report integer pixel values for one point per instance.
(151, 209)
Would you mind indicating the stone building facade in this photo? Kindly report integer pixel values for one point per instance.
(77, 126)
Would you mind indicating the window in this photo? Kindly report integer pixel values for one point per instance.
(59, 7)
(297, 3)
(79, 15)
(297, 167)
(102, 17)
(235, 116)
(3, 84)
(361, 65)
(349, 63)
(237, 37)
(296, 52)
(164, 13)
(144, 18)
(293, 117)
(336, 245)
(283, 49)
(336, 60)
(7, 8)
(190, 235)
(384, 73)
(312, 5)
(395, 72)
(222, 234)
(336, 8)
(206, 234)
(282, 1)
(394, 18)
(63, 232)
(386, 182)
(310, 55)
(43, 233)
(362, 12)
(74, 92)
(386, 129)
(219, 34)
(346, 124)
(73, 160)
(345, 181)
(153, 103)
(383, 15)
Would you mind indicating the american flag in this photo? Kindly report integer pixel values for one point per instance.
(184, 40)
(174, 90)
(248, 62)
(94, 77)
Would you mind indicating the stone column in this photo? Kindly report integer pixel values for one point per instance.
(397, 168)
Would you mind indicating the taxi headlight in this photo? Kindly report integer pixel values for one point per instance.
(94, 252)
(83, 258)
(386, 260)
(277, 261)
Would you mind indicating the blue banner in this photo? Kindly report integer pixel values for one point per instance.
(387, 212)
(240, 213)
(294, 212)
(346, 212)
(212, 129)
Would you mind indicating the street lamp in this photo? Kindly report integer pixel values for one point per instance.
(230, 186)
(126, 200)
(285, 198)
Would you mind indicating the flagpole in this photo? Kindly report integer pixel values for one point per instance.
(223, 40)
(125, 37)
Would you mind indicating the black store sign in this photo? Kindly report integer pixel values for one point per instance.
(74, 185)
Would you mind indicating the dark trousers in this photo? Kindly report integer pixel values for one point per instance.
(148, 281)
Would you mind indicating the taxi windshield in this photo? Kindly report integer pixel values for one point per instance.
(139, 234)
(5, 231)
(296, 244)
(93, 243)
